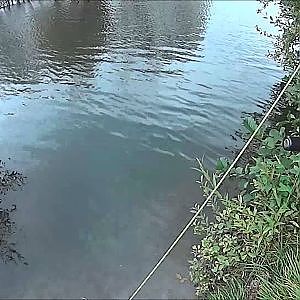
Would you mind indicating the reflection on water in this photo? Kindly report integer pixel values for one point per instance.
(105, 104)
(9, 181)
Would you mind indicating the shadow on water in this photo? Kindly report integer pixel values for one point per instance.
(9, 181)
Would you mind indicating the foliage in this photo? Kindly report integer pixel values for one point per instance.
(287, 42)
(291, 109)
(278, 281)
(249, 225)
(238, 255)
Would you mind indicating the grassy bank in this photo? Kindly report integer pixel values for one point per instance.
(249, 250)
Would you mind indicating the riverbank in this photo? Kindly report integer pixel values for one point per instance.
(250, 249)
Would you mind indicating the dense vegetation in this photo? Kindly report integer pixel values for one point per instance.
(249, 248)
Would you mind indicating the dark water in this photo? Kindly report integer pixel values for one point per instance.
(104, 106)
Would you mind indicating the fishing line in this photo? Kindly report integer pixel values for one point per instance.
(192, 220)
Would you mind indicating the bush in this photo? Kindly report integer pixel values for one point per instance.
(238, 254)
(263, 215)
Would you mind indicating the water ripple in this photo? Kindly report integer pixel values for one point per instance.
(170, 69)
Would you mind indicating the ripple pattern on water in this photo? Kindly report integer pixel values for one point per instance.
(105, 105)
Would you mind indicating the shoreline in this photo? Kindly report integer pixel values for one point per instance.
(259, 227)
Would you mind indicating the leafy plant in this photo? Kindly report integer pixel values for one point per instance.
(249, 225)
(238, 244)
(287, 41)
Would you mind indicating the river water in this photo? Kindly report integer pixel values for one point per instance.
(104, 106)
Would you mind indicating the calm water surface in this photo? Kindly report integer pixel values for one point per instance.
(104, 106)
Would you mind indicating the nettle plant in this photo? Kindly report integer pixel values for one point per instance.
(263, 215)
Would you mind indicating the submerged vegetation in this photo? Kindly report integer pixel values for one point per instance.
(249, 248)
